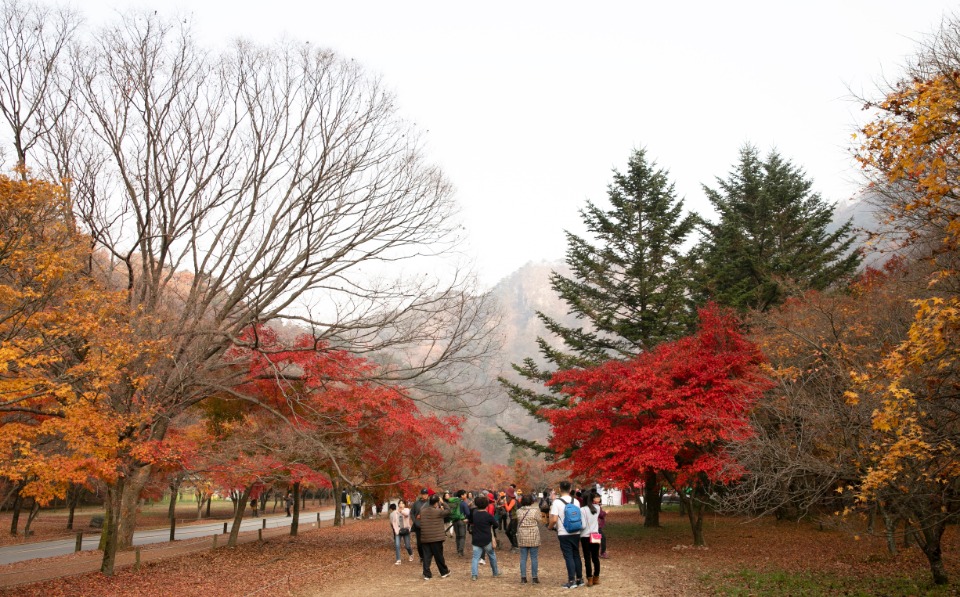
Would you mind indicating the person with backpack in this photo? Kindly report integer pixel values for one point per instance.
(567, 520)
(458, 516)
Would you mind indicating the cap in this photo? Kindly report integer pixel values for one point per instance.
(424, 490)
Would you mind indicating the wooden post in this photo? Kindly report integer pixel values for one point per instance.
(224, 528)
(79, 545)
(260, 534)
(264, 525)
(136, 564)
(318, 519)
(215, 541)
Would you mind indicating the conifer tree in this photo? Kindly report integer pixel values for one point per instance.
(772, 236)
(630, 286)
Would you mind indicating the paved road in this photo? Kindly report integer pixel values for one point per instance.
(47, 549)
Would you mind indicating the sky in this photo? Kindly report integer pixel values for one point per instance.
(529, 106)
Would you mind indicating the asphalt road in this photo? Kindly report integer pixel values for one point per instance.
(91, 540)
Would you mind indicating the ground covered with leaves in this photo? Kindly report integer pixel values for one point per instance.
(764, 557)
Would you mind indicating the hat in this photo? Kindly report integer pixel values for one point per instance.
(424, 490)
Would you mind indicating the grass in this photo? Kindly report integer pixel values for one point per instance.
(767, 557)
(779, 582)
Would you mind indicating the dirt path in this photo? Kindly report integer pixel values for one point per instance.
(383, 577)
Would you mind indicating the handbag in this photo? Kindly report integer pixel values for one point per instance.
(403, 529)
(596, 538)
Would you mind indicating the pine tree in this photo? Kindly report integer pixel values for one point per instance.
(630, 285)
(772, 237)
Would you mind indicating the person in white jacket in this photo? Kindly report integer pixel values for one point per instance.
(590, 536)
(400, 523)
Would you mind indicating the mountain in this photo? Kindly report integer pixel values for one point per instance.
(519, 296)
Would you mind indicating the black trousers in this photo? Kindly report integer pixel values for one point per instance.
(431, 551)
(591, 556)
(512, 531)
(416, 531)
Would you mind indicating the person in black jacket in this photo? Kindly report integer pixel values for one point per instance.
(415, 518)
(482, 541)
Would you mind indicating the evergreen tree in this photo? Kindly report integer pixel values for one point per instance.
(772, 237)
(630, 285)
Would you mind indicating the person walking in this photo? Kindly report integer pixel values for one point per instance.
(483, 523)
(565, 518)
(357, 502)
(528, 537)
(415, 517)
(253, 506)
(400, 523)
(590, 536)
(288, 502)
(433, 533)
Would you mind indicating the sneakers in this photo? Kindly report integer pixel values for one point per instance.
(497, 574)
(427, 578)
(411, 558)
(482, 563)
(397, 562)
(473, 578)
(580, 582)
(604, 555)
(523, 580)
(445, 575)
(570, 585)
(536, 580)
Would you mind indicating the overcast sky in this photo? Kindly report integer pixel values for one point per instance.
(530, 105)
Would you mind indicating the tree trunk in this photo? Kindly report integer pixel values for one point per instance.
(295, 523)
(130, 498)
(17, 505)
(694, 508)
(238, 515)
(932, 534)
(73, 498)
(172, 510)
(890, 529)
(651, 498)
(199, 497)
(34, 511)
(109, 537)
(337, 508)
(209, 503)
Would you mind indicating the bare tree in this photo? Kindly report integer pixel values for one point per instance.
(243, 187)
(33, 46)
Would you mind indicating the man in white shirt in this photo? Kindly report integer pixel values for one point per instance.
(569, 541)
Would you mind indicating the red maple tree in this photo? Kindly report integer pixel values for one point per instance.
(672, 409)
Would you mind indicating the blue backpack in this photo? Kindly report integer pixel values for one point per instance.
(572, 522)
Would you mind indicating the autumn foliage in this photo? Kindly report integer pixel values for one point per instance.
(673, 409)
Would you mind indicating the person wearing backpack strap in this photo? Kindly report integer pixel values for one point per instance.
(458, 519)
(561, 509)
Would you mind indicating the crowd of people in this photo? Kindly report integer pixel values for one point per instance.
(577, 517)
